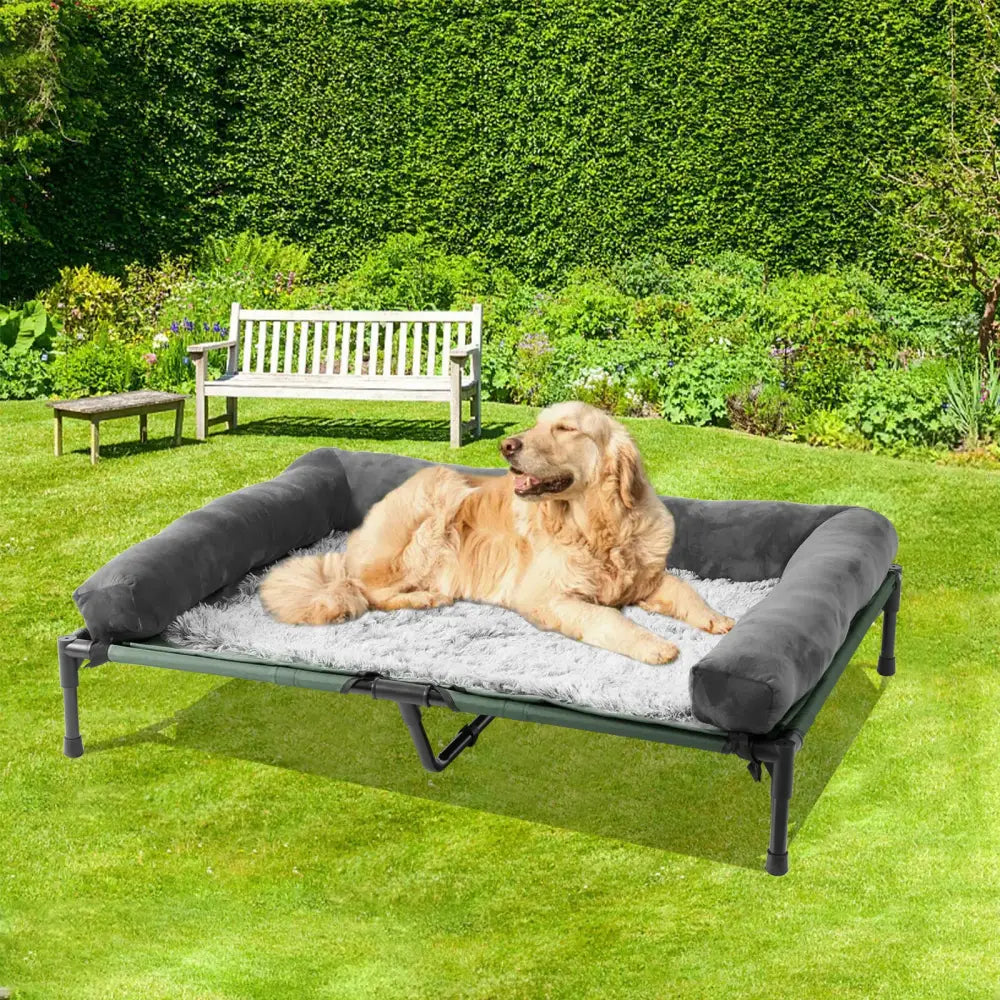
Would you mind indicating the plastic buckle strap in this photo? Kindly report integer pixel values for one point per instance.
(741, 744)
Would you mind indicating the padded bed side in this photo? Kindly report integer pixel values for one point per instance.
(138, 593)
(780, 648)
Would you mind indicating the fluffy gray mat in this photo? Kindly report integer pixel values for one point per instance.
(476, 647)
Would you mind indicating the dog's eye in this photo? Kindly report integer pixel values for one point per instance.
(565, 427)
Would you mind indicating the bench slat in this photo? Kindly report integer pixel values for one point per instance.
(387, 350)
(432, 334)
(247, 344)
(401, 359)
(418, 336)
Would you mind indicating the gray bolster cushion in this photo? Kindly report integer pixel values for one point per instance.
(831, 560)
(138, 593)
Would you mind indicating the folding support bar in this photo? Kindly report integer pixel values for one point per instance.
(402, 692)
(466, 737)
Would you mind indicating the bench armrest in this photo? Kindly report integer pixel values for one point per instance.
(211, 345)
(461, 353)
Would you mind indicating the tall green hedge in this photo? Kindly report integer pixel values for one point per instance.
(541, 133)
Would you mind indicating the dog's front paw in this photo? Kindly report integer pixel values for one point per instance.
(718, 624)
(656, 650)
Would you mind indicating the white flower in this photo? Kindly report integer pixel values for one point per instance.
(161, 340)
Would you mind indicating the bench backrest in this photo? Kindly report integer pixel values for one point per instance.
(319, 342)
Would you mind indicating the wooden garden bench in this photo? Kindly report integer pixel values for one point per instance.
(345, 354)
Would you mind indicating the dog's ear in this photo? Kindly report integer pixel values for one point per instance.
(626, 469)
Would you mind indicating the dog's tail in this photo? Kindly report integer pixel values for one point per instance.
(312, 590)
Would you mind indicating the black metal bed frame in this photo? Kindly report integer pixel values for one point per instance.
(774, 752)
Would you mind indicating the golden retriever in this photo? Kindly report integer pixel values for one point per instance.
(573, 534)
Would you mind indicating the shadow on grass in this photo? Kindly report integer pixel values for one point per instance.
(122, 449)
(362, 428)
(671, 798)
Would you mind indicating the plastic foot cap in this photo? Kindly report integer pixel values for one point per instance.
(777, 864)
(887, 665)
(73, 746)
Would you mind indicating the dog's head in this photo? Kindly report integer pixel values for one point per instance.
(572, 449)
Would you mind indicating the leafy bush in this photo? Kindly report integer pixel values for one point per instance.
(763, 408)
(822, 334)
(146, 292)
(589, 307)
(695, 389)
(831, 429)
(29, 328)
(24, 374)
(251, 255)
(410, 271)
(896, 407)
(98, 367)
(87, 303)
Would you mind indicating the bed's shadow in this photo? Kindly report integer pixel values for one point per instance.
(362, 428)
(673, 798)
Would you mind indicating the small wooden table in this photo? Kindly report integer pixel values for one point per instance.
(121, 404)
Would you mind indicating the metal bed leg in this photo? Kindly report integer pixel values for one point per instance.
(887, 657)
(781, 769)
(69, 678)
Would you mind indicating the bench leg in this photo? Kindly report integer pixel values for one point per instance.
(231, 402)
(477, 412)
(456, 404)
(200, 402)
(58, 434)
(95, 441)
(178, 424)
(69, 678)
(887, 656)
(143, 428)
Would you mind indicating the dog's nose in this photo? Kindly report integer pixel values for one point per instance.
(510, 446)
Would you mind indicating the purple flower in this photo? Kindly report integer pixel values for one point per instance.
(187, 360)
(188, 325)
(216, 328)
(174, 327)
(205, 325)
(670, 364)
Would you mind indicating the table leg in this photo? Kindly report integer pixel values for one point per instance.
(58, 434)
(143, 429)
(178, 423)
(95, 441)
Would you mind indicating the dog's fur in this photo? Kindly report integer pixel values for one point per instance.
(573, 534)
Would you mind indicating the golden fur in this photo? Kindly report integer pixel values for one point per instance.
(573, 534)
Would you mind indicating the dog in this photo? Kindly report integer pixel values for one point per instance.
(571, 535)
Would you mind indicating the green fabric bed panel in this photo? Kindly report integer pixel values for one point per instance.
(830, 561)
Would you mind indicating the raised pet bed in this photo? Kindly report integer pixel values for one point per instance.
(753, 693)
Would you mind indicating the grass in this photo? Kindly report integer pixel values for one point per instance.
(224, 839)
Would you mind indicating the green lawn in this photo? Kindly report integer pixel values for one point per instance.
(224, 839)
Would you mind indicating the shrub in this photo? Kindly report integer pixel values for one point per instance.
(902, 407)
(831, 429)
(589, 306)
(822, 333)
(97, 367)
(695, 389)
(410, 271)
(87, 303)
(29, 328)
(763, 408)
(24, 375)
(146, 292)
(250, 255)
(974, 400)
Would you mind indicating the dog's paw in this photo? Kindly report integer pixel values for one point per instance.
(718, 624)
(436, 600)
(655, 650)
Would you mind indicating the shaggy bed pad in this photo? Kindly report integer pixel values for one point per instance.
(476, 647)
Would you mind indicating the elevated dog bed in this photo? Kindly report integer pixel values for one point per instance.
(803, 582)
